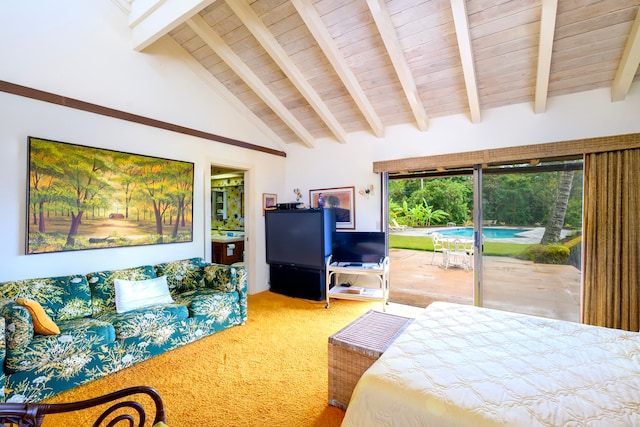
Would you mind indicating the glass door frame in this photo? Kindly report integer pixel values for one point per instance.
(477, 173)
(477, 235)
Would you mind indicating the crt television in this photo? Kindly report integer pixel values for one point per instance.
(359, 246)
(299, 237)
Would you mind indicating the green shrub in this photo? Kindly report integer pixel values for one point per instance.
(546, 254)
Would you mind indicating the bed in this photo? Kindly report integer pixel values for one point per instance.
(458, 365)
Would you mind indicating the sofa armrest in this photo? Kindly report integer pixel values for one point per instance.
(225, 278)
(241, 287)
(18, 326)
(3, 356)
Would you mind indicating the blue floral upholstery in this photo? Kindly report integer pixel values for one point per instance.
(94, 339)
(62, 298)
(182, 276)
(144, 321)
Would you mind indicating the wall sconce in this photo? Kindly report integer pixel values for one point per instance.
(366, 192)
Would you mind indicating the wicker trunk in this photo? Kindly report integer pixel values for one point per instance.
(355, 348)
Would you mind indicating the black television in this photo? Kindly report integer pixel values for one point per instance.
(299, 237)
(359, 246)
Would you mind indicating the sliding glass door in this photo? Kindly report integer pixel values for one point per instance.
(531, 229)
(519, 227)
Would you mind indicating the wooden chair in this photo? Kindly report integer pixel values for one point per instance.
(128, 411)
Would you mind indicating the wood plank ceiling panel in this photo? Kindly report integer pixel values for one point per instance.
(337, 77)
(352, 27)
(221, 18)
(428, 37)
(251, 51)
(505, 41)
(297, 41)
(585, 32)
(221, 71)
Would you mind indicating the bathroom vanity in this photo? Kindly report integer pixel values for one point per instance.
(227, 249)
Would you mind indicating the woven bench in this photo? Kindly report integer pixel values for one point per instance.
(354, 348)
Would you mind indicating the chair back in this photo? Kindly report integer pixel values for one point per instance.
(129, 411)
(437, 240)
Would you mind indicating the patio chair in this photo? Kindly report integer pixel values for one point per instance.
(394, 226)
(456, 254)
(468, 248)
(129, 412)
(438, 246)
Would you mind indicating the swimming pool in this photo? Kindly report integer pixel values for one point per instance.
(487, 232)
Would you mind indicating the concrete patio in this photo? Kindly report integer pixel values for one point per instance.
(545, 290)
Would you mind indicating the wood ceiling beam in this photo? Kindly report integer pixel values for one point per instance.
(628, 64)
(391, 42)
(260, 31)
(312, 19)
(461, 22)
(205, 75)
(151, 19)
(545, 50)
(224, 51)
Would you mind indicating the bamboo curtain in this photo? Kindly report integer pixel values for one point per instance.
(612, 240)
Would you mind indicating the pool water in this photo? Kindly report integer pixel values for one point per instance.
(487, 232)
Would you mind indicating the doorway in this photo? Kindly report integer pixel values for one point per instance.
(484, 206)
(227, 231)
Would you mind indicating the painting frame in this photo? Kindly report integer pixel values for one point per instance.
(81, 197)
(269, 202)
(342, 199)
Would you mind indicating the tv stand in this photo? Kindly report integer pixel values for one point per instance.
(297, 282)
(378, 269)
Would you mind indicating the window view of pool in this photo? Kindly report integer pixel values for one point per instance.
(487, 232)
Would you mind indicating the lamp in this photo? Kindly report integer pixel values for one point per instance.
(366, 192)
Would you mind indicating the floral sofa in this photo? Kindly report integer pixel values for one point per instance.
(95, 340)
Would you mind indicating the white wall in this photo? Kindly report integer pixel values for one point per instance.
(82, 50)
(331, 164)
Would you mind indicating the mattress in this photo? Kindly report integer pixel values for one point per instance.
(458, 365)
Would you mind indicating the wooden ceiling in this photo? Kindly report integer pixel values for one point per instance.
(310, 69)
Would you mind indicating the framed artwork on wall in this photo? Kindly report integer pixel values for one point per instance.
(269, 202)
(342, 199)
(82, 197)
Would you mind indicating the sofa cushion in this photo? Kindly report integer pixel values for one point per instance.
(214, 305)
(134, 294)
(102, 286)
(78, 342)
(42, 323)
(183, 275)
(220, 277)
(62, 298)
(155, 323)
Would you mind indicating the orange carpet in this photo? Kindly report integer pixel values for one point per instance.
(270, 372)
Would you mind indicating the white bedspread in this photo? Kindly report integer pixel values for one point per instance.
(458, 365)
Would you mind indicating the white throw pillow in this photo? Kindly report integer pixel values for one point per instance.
(133, 294)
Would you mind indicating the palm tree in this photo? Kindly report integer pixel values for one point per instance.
(559, 209)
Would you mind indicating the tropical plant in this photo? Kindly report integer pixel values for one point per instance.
(423, 214)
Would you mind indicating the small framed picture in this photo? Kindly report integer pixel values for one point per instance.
(341, 199)
(269, 202)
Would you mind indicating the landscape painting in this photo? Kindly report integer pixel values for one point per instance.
(88, 198)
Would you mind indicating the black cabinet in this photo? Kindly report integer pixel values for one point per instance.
(298, 244)
(307, 283)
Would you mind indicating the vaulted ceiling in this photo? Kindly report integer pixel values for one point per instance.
(310, 69)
